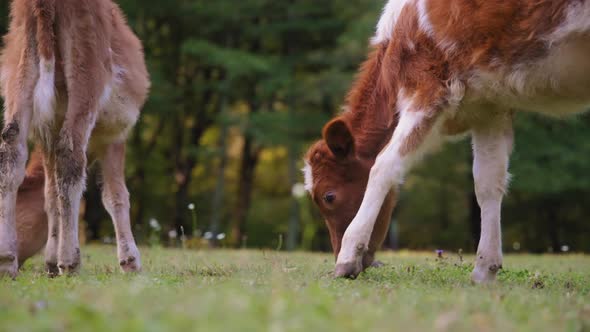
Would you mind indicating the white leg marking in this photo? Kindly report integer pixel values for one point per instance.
(492, 146)
(388, 171)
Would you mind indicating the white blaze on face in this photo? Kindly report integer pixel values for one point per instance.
(388, 19)
(308, 176)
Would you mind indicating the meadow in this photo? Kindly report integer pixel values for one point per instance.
(246, 290)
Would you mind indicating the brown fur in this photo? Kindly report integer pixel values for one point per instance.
(82, 55)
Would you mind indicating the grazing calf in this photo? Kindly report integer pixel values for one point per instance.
(73, 73)
(437, 69)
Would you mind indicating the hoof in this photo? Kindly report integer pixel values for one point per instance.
(348, 270)
(485, 274)
(51, 269)
(70, 265)
(8, 266)
(129, 258)
(377, 264)
(69, 269)
(130, 264)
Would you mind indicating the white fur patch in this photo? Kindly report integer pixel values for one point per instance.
(308, 177)
(116, 80)
(556, 85)
(388, 171)
(423, 19)
(577, 21)
(388, 19)
(456, 93)
(105, 96)
(44, 95)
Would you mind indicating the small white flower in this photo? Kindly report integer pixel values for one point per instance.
(154, 224)
(220, 236)
(191, 206)
(516, 246)
(565, 248)
(173, 234)
(298, 190)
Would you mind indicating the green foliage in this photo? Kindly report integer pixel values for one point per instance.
(271, 73)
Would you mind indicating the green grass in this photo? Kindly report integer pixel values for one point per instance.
(270, 291)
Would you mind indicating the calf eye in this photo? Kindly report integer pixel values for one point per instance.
(329, 197)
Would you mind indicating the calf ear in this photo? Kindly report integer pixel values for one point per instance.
(339, 139)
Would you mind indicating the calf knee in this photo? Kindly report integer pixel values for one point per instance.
(115, 198)
(70, 163)
(491, 188)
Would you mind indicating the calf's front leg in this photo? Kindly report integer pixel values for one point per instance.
(13, 156)
(18, 104)
(415, 127)
(492, 145)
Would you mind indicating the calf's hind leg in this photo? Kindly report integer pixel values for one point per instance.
(492, 145)
(115, 198)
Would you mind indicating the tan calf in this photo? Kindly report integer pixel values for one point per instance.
(73, 78)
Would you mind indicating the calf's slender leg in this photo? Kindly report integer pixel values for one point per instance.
(13, 155)
(84, 88)
(52, 211)
(492, 145)
(70, 174)
(115, 198)
(407, 143)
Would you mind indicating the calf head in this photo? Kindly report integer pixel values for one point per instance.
(336, 178)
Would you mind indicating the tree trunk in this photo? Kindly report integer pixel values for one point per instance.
(552, 215)
(216, 214)
(245, 186)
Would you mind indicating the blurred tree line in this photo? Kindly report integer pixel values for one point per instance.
(239, 91)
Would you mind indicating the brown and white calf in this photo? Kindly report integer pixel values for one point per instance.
(73, 78)
(437, 69)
